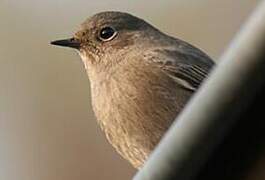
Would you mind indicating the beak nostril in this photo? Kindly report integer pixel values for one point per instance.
(73, 39)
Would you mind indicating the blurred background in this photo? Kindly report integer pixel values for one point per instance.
(47, 127)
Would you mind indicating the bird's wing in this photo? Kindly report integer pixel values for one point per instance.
(188, 75)
(187, 68)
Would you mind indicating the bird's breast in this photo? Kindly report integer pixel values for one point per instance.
(134, 110)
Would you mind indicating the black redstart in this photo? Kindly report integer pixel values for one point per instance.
(140, 79)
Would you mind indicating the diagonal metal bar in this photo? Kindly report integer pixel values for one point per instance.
(214, 109)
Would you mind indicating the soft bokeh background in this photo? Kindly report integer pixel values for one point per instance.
(47, 128)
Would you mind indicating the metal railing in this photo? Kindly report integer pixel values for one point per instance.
(214, 109)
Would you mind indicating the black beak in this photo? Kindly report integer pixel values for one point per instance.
(72, 43)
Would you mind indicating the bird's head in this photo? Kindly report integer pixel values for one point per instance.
(106, 37)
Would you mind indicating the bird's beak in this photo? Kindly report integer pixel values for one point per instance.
(72, 43)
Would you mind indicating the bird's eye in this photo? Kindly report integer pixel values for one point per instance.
(107, 34)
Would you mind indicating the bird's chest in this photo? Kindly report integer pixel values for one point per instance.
(134, 110)
(118, 114)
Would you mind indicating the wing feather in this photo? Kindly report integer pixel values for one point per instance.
(187, 68)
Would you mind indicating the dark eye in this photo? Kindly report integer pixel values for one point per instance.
(107, 34)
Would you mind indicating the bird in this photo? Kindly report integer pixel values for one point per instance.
(140, 79)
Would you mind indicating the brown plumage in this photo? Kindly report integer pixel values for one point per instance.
(140, 79)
